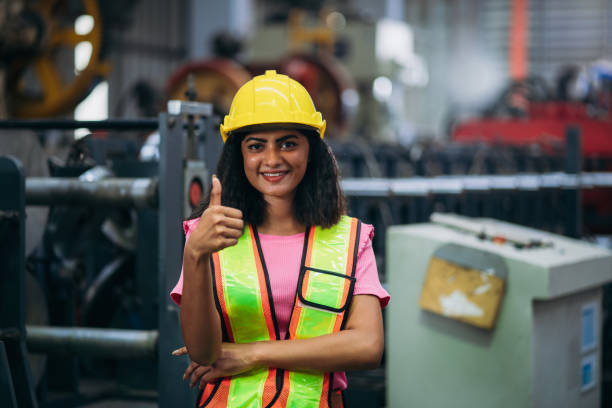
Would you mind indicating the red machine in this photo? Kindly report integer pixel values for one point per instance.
(524, 116)
(544, 123)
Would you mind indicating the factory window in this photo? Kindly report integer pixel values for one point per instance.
(95, 105)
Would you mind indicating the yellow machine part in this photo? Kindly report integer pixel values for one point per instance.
(58, 95)
(466, 294)
(299, 33)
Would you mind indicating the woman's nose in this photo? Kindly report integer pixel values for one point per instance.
(272, 157)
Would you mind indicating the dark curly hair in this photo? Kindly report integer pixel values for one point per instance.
(318, 199)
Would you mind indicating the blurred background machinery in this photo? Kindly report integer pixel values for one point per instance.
(496, 109)
(516, 325)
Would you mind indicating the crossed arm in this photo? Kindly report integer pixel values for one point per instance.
(359, 346)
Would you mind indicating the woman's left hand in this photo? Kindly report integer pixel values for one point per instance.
(234, 359)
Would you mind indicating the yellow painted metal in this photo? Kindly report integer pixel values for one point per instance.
(300, 34)
(59, 95)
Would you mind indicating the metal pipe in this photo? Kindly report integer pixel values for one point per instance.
(63, 124)
(455, 185)
(573, 196)
(137, 192)
(143, 192)
(84, 341)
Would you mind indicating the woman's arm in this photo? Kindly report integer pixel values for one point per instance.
(218, 228)
(200, 322)
(358, 346)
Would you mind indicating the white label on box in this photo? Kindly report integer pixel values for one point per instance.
(588, 372)
(589, 327)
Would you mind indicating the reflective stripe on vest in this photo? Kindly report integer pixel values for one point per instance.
(244, 301)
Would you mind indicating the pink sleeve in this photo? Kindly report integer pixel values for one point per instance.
(177, 292)
(366, 272)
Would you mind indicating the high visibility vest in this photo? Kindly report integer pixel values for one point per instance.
(244, 301)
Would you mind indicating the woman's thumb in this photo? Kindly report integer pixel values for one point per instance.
(215, 191)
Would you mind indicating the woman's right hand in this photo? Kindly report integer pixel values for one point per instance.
(219, 226)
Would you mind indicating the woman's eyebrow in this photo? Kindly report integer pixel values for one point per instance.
(286, 137)
(256, 139)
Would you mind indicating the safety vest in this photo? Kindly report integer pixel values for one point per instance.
(244, 302)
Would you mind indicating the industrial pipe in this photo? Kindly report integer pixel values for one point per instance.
(89, 342)
(137, 192)
(142, 192)
(66, 124)
(421, 186)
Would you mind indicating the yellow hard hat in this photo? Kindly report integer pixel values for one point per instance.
(272, 99)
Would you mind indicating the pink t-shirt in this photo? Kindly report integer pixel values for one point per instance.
(283, 254)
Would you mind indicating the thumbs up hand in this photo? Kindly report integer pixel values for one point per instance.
(219, 226)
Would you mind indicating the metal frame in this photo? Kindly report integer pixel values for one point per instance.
(166, 194)
(172, 390)
(13, 353)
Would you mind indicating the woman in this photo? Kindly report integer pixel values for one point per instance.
(279, 292)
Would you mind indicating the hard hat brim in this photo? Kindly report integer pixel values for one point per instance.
(263, 127)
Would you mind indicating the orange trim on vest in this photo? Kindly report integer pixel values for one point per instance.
(324, 402)
(311, 235)
(219, 400)
(206, 393)
(269, 391)
(222, 393)
(283, 397)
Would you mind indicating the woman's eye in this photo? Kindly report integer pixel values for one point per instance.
(288, 145)
(254, 146)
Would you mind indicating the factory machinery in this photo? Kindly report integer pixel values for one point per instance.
(90, 300)
(493, 314)
(521, 132)
(109, 315)
(103, 317)
(135, 279)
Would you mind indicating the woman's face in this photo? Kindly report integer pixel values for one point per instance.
(275, 161)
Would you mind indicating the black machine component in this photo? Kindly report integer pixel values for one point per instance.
(15, 376)
(96, 267)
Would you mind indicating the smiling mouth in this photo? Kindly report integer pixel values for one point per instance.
(275, 174)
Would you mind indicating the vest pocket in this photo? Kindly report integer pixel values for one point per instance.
(326, 290)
